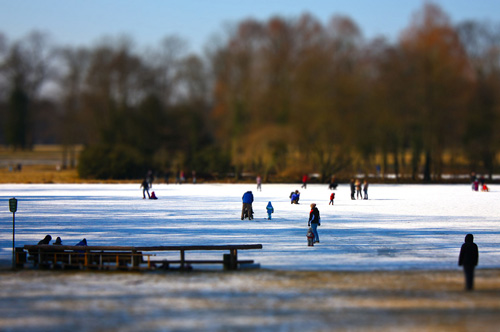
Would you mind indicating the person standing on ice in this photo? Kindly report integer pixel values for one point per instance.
(353, 188)
(270, 210)
(358, 190)
(473, 179)
(476, 185)
(468, 258)
(247, 205)
(145, 188)
(314, 221)
(259, 183)
(365, 189)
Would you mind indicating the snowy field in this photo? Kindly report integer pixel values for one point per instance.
(400, 227)
(384, 264)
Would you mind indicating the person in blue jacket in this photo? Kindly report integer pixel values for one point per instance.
(270, 210)
(247, 206)
(82, 243)
(294, 197)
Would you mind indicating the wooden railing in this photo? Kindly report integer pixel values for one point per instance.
(125, 257)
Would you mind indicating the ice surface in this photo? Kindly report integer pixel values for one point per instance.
(399, 227)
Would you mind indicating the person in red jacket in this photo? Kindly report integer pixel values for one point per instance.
(305, 178)
(332, 196)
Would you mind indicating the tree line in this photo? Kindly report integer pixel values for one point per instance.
(279, 98)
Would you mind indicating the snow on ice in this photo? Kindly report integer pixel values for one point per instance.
(400, 227)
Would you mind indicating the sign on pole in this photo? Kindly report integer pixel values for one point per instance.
(13, 205)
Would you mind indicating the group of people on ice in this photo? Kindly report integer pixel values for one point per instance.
(313, 222)
(468, 257)
(478, 183)
(247, 209)
(356, 189)
(58, 241)
(146, 185)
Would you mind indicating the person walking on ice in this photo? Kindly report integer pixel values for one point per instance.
(332, 197)
(270, 210)
(314, 221)
(305, 178)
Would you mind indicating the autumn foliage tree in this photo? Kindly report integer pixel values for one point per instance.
(439, 79)
(279, 98)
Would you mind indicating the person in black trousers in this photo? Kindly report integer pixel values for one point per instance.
(353, 188)
(468, 258)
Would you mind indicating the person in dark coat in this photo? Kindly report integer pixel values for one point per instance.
(145, 188)
(353, 188)
(473, 177)
(46, 240)
(82, 243)
(468, 258)
(333, 183)
(365, 189)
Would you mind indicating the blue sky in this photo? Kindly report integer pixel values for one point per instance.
(85, 22)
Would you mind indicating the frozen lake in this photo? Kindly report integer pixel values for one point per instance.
(401, 227)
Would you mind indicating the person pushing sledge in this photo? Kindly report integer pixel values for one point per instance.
(145, 188)
(246, 210)
(314, 221)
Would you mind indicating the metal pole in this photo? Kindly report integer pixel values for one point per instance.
(13, 240)
(13, 209)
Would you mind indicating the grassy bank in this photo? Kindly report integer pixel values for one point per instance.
(43, 164)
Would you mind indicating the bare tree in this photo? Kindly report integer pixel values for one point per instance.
(482, 44)
(72, 85)
(27, 66)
